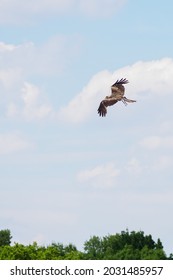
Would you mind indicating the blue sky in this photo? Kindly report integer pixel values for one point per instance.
(66, 173)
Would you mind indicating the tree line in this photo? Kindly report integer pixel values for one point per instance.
(121, 246)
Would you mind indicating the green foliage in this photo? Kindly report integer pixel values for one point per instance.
(5, 237)
(20, 252)
(127, 253)
(124, 246)
(170, 257)
(94, 248)
(155, 254)
(35, 252)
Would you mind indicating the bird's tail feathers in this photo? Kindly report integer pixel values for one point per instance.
(128, 100)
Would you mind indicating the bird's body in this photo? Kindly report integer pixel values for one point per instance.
(118, 91)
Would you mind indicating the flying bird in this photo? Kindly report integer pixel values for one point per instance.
(118, 91)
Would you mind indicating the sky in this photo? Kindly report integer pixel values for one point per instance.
(67, 173)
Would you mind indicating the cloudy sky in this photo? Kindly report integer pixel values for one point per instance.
(66, 173)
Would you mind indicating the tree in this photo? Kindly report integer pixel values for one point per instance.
(159, 244)
(170, 257)
(127, 253)
(5, 237)
(94, 248)
(152, 254)
(124, 246)
(120, 246)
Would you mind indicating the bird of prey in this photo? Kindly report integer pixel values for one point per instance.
(118, 91)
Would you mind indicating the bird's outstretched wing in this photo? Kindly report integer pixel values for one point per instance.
(108, 101)
(118, 89)
(102, 111)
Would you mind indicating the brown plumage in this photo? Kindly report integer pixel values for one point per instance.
(118, 91)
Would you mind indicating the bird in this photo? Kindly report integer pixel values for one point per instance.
(118, 91)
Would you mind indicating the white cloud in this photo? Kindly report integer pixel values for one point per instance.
(13, 142)
(17, 68)
(163, 162)
(10, 68)
(134, 166)
(150, 77)
(100, 8)
(10, 77)
(82, 105)
(16, 11)
(44, 59)
(155, 142)
(166, 126)
(101, 176)
(147, 79)
(6, 47)
(12, 110)
(33, 108)
(152, 142)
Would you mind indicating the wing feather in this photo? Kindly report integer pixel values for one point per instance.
(117, 88)
(102, 110)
